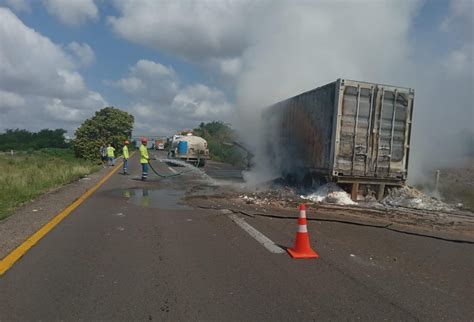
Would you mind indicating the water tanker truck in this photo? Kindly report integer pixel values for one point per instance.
(190, 148)
(350, 132)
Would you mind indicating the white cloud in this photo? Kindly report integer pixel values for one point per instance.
(131, 85)
(461, 12)
(18, 5)
(31, 63)
(61, 112)
(150, 69)
(200, 102)
(230, 66)
(10, 100)
(73, 12)
(74, 110)
(37, 112)
(39, 84)
(151, 80)
(459, 61)
(193, 30)
(83, 52)
(161, 105)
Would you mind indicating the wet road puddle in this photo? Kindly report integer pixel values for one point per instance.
(154, 198)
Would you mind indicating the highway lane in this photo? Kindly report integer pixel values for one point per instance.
(136, 251)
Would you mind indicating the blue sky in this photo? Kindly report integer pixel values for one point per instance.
(113, 54)
(174, 64)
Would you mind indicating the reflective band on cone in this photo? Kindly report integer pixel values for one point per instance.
(302, 248)
(302, 229)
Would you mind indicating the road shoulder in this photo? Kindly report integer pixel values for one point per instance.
(30, 217)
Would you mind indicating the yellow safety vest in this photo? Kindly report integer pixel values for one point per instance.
(110, 151)
(125, 152)
(143, 154)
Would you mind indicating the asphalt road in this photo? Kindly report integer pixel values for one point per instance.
(136, 251)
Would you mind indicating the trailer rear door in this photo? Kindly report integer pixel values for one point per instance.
(373, 129)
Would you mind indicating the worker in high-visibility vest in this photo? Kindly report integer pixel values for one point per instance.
(144, 158)
(125, 157)
(111, 154)
(103, 155)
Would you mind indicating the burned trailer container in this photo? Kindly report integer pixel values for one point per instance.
(351, 132)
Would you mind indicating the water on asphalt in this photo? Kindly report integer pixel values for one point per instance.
(170, 199)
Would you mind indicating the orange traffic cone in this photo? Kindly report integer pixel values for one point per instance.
(302, 247)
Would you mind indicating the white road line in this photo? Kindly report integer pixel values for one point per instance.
(261, 238)
(172, 170)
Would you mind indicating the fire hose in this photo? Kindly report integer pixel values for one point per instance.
(161, 175)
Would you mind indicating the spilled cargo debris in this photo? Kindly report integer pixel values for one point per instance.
(409, 197)
(405, 210)
(330, 193)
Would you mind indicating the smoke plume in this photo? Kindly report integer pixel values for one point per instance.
(297, 47)
(260, 52)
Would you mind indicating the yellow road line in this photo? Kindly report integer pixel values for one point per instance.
(21, 250)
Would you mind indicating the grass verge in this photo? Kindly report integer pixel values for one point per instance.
(26, 175)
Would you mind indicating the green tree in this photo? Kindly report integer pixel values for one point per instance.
(219, 137)
(109, 125)
(49, 139)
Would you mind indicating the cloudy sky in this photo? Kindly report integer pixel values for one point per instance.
(174, 64)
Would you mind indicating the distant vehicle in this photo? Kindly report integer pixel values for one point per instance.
(159, 145)
(351, 132)
(190, 148)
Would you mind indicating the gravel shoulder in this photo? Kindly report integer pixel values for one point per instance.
(28, 218)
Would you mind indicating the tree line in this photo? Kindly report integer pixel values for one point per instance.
(22, 140)
(111, 125)
(107, 126)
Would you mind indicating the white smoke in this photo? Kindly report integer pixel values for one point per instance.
(443, 76)
(300, 47)
(265, 51)
(305, 45)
